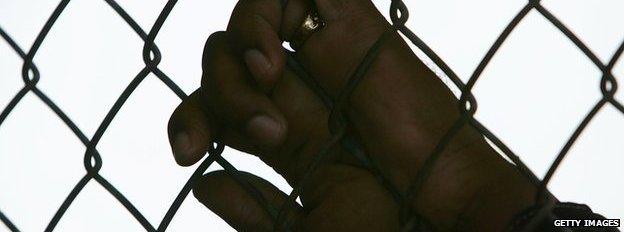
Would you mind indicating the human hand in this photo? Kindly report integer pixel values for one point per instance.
(252, 101)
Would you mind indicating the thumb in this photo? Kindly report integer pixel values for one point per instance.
(230, 199)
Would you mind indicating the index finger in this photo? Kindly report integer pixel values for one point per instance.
(254, 28)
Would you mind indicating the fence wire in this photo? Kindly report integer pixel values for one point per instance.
(338, 122)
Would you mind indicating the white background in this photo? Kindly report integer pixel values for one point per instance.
(533, 94)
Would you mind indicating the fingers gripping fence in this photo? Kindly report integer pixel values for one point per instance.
(338, 122)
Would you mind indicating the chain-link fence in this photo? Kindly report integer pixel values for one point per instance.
(467, 105)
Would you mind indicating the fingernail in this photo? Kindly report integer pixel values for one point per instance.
(182, 146)
(265, 130)
(257, 62)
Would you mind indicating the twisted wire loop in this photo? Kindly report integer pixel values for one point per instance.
(468, 105)
(92, 158)
(337, 121)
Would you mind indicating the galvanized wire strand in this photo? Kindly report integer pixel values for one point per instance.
(214, 152)
(468, 105)
(93, 168)
(7, 222)
(31, 85)
(337, 124)
(607, 92)
(349, 142)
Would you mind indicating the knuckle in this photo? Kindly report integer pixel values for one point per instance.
(269, 9)
(212, 58)
(213, 40)
(211, 91)
(334, 10)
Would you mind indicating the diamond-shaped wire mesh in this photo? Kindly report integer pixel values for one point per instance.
(467, 105)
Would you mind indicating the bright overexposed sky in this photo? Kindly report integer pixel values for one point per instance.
(535, 91)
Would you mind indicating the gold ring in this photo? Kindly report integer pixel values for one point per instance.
(312, 23)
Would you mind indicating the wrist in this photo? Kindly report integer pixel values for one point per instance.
(499, 199)
(472, 188)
